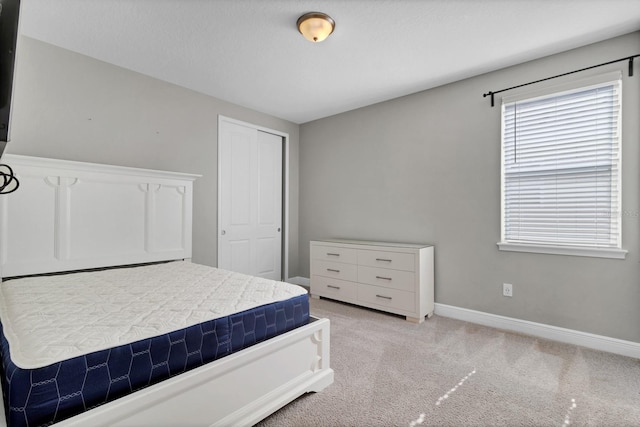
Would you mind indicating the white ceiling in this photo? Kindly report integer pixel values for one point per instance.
(249, 51)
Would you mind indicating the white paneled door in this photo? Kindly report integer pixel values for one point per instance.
(250, 200)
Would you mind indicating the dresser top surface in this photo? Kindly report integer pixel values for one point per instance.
(374, 243)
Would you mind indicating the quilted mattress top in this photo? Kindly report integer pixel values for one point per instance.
(48, 319)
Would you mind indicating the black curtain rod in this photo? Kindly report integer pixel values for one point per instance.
(628, 58)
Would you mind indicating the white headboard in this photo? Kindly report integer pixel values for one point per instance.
(72, 215)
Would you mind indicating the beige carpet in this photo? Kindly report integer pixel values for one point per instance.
(445, 372)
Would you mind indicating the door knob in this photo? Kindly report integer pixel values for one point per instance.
(223, 232)
(278, 229)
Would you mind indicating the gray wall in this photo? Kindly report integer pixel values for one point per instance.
(426, 168)
(69, 106)
(422, 168)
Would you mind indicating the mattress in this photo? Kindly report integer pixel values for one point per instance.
(73, 342)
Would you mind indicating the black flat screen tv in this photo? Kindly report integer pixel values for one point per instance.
(9, 11)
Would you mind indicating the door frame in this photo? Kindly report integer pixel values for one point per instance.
(284, 253)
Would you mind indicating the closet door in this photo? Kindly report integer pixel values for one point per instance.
(250, 201)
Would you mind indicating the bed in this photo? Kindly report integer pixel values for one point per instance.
(236, 364)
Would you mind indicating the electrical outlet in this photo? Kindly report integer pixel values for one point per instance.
(507, 289)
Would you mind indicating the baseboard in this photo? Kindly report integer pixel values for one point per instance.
(569, 336)
(554, 333)
(302, 281)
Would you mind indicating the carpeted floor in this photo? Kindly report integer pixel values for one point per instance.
(445, 372)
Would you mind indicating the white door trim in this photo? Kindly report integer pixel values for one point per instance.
(285, 180)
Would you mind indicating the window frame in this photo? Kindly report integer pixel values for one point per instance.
(552, 247)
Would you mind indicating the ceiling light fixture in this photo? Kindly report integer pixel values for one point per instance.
(315, 26)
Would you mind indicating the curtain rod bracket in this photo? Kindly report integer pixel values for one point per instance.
(487, 94)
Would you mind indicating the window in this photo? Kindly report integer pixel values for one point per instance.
(561, 170)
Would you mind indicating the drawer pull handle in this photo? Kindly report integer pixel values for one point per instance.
(330, 254)
(385, 297)
(333, 287)
(383, 278)
(382, 259)
(331, 269)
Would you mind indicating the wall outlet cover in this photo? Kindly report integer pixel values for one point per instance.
(507, 289)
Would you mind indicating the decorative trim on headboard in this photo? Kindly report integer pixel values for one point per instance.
(72, 215)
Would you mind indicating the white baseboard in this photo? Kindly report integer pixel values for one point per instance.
(569, 336)
(541, 330)
(302, 281)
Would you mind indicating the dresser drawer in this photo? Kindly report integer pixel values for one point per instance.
(393, 299)
(334, 288)
(386, 259)
(396, 279)
(336, 270)
(332, 253)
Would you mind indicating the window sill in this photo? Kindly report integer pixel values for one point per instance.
(563, 250)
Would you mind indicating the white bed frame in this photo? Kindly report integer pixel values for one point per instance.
(70, 215)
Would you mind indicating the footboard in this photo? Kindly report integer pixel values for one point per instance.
(238, 390)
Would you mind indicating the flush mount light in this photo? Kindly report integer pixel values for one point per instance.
(315, 26)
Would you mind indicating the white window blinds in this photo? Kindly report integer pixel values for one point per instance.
(561, 168)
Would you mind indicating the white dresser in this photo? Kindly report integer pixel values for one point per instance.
(393, 277)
